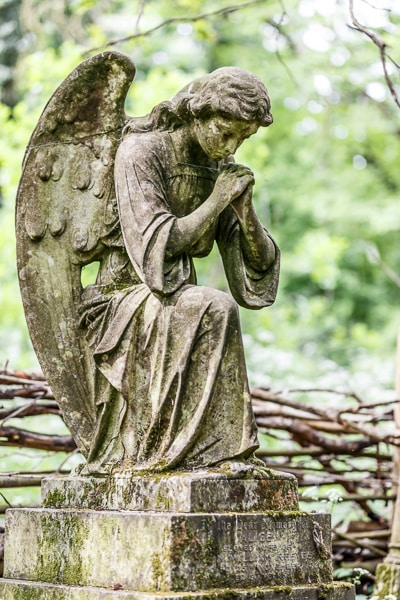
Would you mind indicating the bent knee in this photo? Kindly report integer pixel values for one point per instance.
(215, 300)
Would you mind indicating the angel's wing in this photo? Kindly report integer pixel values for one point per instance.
(65, 206)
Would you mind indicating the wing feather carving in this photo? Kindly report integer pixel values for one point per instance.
(65, 207)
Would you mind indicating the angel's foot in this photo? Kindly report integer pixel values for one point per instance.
(261, 467)
(251, 467)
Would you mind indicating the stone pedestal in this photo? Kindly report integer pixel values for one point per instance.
(205, 535)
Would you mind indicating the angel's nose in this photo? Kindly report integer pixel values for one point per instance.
(232, 146)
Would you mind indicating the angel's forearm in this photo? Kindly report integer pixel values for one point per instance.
(258, 248)
(187, 230)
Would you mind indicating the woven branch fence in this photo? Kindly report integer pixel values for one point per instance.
(340, 448)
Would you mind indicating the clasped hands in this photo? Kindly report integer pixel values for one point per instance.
(234, 186)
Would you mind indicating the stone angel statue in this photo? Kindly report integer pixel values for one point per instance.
(147, 366)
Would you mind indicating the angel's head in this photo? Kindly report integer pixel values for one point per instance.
(228, 92)
(225, 107)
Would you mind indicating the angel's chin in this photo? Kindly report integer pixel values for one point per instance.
(218, 155)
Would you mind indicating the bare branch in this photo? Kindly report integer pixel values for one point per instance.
(382, 8)
(18, 377)
(11, 436)
(5, 499)
(16, 480)
(5, 507)
(29, 391)
(281, 32)
(222, 11)
(17, 411)
(31, 409)
(359, 543)
(382, 46)
(142, 4)
(313, 451)
(310, 435)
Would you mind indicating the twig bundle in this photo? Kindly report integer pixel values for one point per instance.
(339, 453)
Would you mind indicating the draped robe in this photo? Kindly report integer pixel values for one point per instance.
(171, 382)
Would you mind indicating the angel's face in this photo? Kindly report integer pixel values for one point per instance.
(220, 137)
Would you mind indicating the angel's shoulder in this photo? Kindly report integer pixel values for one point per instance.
(151, 145)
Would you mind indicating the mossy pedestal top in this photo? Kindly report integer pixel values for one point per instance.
(187, 492)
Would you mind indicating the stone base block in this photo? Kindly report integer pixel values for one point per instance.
(167, 552)
(201, 491)
(27, 590)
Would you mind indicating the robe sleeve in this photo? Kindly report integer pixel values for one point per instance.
(145, 217)
(251, 288)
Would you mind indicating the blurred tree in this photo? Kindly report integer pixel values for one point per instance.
(10, 35)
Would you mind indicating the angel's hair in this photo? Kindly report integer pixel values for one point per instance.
(229, 92)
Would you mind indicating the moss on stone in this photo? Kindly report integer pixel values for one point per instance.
(50, 566)
(325, 570)
(283, 514)
(282, 589)
(326, 590)
(387, 580)
(157, 570)
(54, 499)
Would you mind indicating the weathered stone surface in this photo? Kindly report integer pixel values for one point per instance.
(186, 492)
(166, 551)
(21, 590)
(387, 580)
